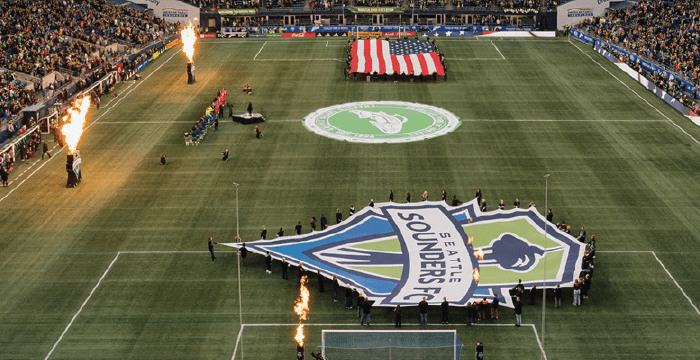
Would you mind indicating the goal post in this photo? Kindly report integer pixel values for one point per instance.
(390, 344)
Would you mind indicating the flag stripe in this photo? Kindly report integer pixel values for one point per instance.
(423, 64)
(360, 56)
(409, 65)
(429, 63)
(415, 63)
(368, 56)
(438, 65)
(384, 57)
(402, 64)
(380, 57)
(396, 67)
(355, 59)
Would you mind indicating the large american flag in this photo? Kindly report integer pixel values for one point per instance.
(389, 57)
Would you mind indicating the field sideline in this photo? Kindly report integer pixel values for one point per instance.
(118, 268)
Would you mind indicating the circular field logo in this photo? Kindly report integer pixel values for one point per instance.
(381, 122)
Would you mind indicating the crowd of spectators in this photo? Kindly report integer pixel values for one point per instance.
(665, 32)
(70, 37)
(514, 6)
(14, 94)
(40, 37)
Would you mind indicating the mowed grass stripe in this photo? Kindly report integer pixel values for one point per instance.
(632, 184)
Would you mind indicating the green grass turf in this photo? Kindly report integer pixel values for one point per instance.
(547, 108)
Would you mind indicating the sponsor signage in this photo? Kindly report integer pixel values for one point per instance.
(142, 65)
(329, 34)
(298, 35)
(375, 10)
(381, 122)
(365, 34)
(396, 254)
(238, 11)
(398, 33)
(178, 13)
(576, 11)
(232, 34)
(170, 44)
(172, 10)
(381, 33)
(460, 33)
(207, 36)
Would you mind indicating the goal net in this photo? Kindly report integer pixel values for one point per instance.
(388, 344)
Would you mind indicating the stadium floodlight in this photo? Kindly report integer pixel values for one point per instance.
(390, 344)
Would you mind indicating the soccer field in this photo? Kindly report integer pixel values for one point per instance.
(117, 267)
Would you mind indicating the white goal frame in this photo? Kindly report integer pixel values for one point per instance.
(454, 338)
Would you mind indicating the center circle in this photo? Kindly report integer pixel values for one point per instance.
(381, 122)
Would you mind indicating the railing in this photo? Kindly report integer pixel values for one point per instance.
(644, 57)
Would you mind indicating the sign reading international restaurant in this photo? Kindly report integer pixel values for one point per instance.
(399, 253)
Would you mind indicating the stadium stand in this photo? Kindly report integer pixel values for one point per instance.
(53, 49)
(664, 32)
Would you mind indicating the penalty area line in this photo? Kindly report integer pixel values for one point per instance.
(534, 329)
(637, 94)
(81, 307)
(499, 51)
(238, 340)
(259, 51)
(663, 266)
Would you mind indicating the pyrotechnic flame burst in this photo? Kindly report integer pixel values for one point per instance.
(301, 308)
(74, 122)
(189, 37)
(479, 254)
(477, 275)
(470, 240)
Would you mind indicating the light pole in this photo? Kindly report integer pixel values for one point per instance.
(236, 185)
(413, 10)
(544, 267)
(238, 257)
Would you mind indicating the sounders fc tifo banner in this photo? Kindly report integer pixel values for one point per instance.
(399, 253)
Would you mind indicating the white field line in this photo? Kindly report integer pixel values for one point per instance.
(327, 45)
(544, 355)
(663, 266)
(675, 282)
(105, 274)
(31, 165)
(635, 93)
(475, 59)
(477, 38)
(499, 51)
(328, 59)
(565, 120)
(238, 340)
(259, 51)
(463, 120)
(534, 329)
(175, 252)
(253, 41)
(93, 123)
(143, 122)
(81, 307)
(387, 324)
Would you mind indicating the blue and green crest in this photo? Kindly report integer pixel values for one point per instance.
(399, 253)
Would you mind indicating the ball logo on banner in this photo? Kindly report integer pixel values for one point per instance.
(400, 253)
(381, 122)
